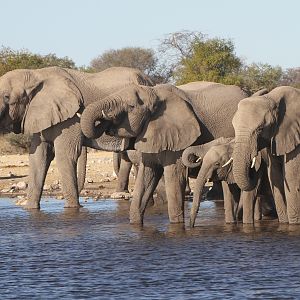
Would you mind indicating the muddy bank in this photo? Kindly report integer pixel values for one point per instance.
(100, 179)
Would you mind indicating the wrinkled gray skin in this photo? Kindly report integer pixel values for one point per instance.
(44, 103)
(215, 161)
(164, 120)
(271, 121)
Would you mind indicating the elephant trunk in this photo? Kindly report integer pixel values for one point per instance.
(202, 177)
(93, 120)
(191, 157)
(243, 171)
(108, 143)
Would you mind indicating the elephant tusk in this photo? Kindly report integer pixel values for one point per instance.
(78, 114)
(198, 159)
(104, 115)
(253, 162)
(228, 162)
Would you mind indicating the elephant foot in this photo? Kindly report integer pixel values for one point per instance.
(28, 204)
(283, 218)
(136, 218)
(72, 204)
(120, 195)
(176, 219)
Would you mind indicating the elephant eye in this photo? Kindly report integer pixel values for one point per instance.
(130, 107)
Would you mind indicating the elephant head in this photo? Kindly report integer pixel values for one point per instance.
(216, 165)
(159, 118)
(271, 120)
(31, 102)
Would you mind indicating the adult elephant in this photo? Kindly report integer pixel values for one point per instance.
(163, 120)
(215, 162)
(45, 103)
(271, 121)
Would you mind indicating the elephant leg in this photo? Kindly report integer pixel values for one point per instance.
(258, 209)
(68, 146)
(292, 185)
(145, 184)
(123, 174)
(175, 182)
(161, 193)
(40, 156)
(81, 169)
(229, 202)
(275, 174)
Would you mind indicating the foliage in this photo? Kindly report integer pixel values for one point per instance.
(18, 140)
(193, 57)
(132, 57)
(23, 59)
(210, 60)
(291, 77)
(257, 76)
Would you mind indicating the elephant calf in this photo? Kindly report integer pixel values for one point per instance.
(216, 165)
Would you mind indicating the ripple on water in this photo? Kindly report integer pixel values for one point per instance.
(94, 253)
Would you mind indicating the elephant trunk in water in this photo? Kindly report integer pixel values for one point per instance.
(97, 112)
(243, 171)
(202, 177)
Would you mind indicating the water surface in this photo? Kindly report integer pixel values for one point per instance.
(94, 253)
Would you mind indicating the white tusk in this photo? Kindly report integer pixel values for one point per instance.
(104, 115)
(198, 159)
(78, 114)
(228, 162)
(253, 162)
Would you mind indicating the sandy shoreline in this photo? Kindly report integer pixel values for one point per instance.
(100, 179)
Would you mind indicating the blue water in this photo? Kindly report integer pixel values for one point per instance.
(94, 253)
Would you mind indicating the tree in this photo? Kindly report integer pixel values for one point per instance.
(23, 59)
(257, 76)
(132, 57)
(192, 57)
(291, 77)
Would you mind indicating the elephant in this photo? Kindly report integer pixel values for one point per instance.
(163, 120)
(215, 162)
(271, 121)
(46, 103)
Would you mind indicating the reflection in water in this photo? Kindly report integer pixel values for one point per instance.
(93, 252)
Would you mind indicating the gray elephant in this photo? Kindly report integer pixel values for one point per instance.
(271, 121)
(215, 162)
(163, 121)
(45, 103)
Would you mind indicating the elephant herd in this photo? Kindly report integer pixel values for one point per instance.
(216, 131)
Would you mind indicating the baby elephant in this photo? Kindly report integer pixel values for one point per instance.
(216, 165)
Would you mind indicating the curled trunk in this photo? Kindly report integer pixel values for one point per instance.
(108, 143)
(92, 114)
(191, 157)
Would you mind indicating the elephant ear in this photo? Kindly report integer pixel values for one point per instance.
(173, 126)
(287, 136)
(53, 100)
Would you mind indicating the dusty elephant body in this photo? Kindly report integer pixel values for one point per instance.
(215, 161)
(271, 121)
(45, 103)
(163, 121)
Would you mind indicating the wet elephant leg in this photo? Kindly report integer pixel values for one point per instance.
(175, 181)
(123, 174)
(40, 156)
(276, 179)
(258, 209)
(229, 202)
(145, 184)
(67, 151)
(292, 185)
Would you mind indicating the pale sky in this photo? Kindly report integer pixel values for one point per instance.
(266, 31)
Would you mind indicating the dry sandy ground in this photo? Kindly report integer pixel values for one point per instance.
(100, 179)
